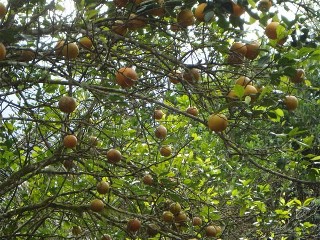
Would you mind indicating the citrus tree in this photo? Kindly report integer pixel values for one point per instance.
(167, 119)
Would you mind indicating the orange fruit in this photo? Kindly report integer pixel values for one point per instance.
(167, 216)
(76, 230)
(147, 179)
(58, 48)
(264, 5)
(180, 217)
(243, 81)
(193, 111)
(298, 76)
(67, 104)
(199, 12)
(211, 231)
(70, 141)
(175, 27)
(126, 77)
(133, 225)
(3, 51)
(237, 10)
(136, 22)
(185, 18)
(175, 76)
(191, 75)
(103, 187)
(232, 95)
(271, 30)
(250, 90)
(119, 28)
(27, 55)
(196, 221)
(70, 51)
(252, 50)
(158, 114)
(120, 3)
(96, 205)
(114, 156)
(165, 151)
(159, 12)
(85, 42)
(3, 10)
(106, 237)
(217, 122)
(239, 48)
(160, 132)
(291, 102)
(175, 208)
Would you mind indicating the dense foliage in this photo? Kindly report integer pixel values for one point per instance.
(258, 178)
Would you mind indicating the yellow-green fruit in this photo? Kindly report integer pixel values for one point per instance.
(103, 187)
(96, 205)
(291, 102)
(217, 122)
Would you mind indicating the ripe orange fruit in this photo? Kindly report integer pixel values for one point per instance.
(185, 18)
(180, 217)
(250, 90)
(167, 216)
(76, 230)
(175, 76)
(85, 42)
(147, 179)
(67, 104)
(126, 77)
(103, 187)
(158, 114)
(217, 122)
(237, 10)
(165, 151)
(119, 28)
(3, 10)
(298, 76)
(136, 22)
(70, 141)
(252, 50)
(271, 30)
(160, 132)
(175, 208)
(27, 55)
(58, 48)
(70, 51)
(114, 156)
(3, 51)
(232, 95)
(239, 48)
(196, 221)
(106, 237)
(243, 81)
(96, 205)
(120, 3)
(291, 102)
(211, 231)
(159, 12)
(152, 229)
(191, 75)
(192, 111)
(199, 12)
(93, 141)
(133, 225)
(264, 5)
